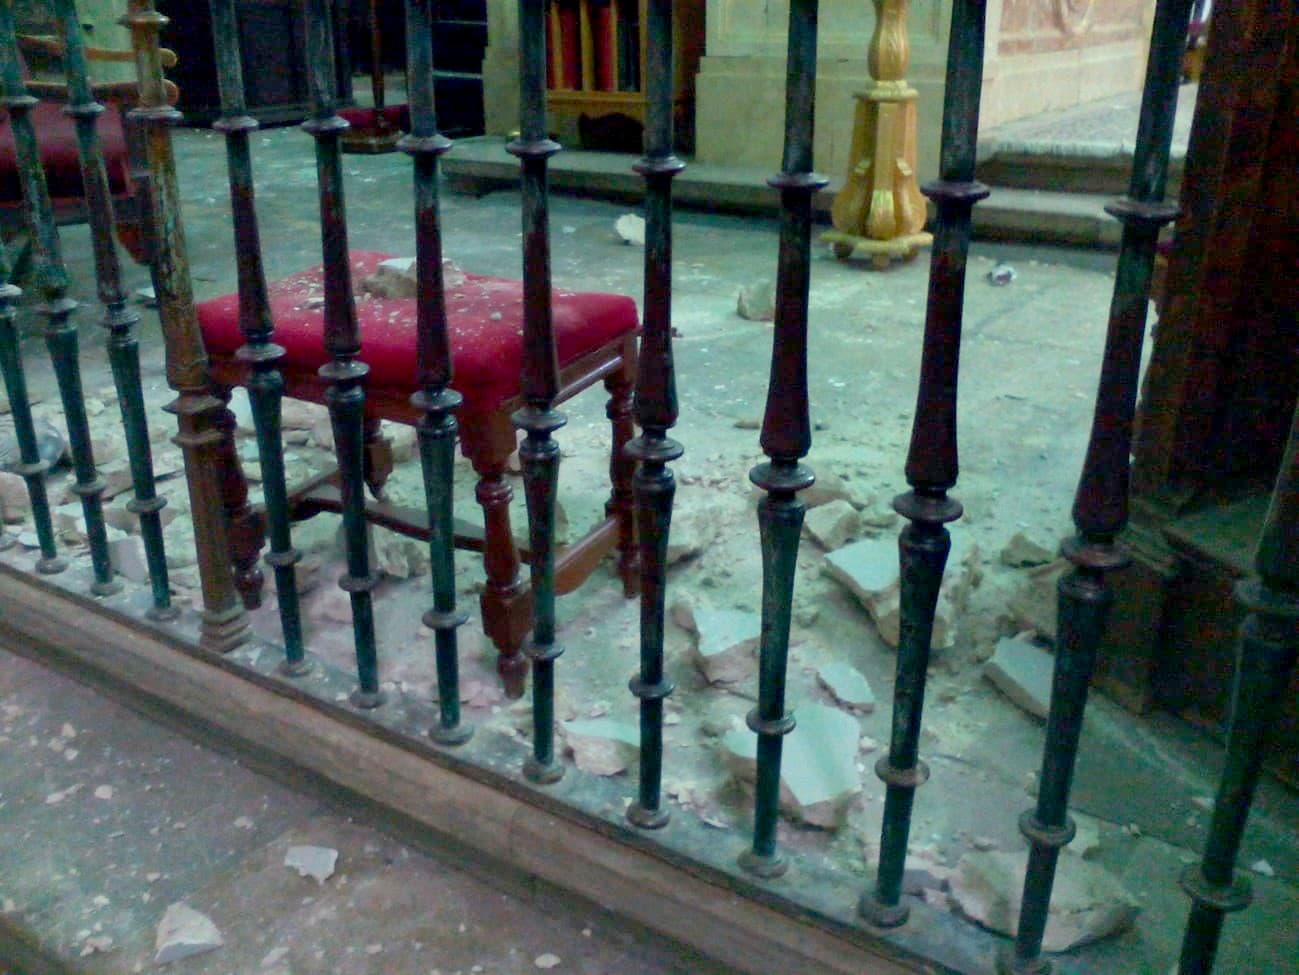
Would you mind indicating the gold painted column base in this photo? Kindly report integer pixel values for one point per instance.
(881, 253)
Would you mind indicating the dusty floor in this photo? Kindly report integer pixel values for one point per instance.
(1030, 360)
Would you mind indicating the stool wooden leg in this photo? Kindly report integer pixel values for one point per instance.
(247, 533)
(506, 604)
(622, 468)
(378, 457)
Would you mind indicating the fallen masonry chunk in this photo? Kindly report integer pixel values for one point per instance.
(833, 525)
(869, 570)
(818, 775)
(1034, 606)
(1087, 903)
(1022, 671)
(630, 228)
(757, 302)
(128, 558)
(1022, 551)
(183, 932)
(725, 644)
(847, 685)
(694, 528)
(15, 503)
(602, 746)
(316, 862)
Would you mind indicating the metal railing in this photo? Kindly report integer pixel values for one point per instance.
(1268, 641)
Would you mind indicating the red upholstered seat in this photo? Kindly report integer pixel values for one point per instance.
(485, 315)
(57, 135)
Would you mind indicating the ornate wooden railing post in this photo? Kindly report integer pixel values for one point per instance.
(436, 398)
(656, 413)
(56, 306)
(31, 467)
(265, 382)
(346, 374)
(786, 434)
(1101, 505)
(932, 462)
(1265, 660)
(539, 453)
(224, 623)
(880, 212)
(119, 320)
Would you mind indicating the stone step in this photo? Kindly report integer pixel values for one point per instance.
(482, 165)
(1074, 167)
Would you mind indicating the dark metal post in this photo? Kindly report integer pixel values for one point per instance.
(32, 468)
(345, 374)
(932, 462)
(56, 306)
(1101, 505)
(197, 411)
(786, 434)
(539, 453)
(265, 382)
(656, 413)
(1265, 659)
(437, 427)
(119, 320)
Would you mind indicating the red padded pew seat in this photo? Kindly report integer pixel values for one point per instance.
(57, 135)
(485, 315)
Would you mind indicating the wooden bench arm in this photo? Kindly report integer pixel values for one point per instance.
(54, 47)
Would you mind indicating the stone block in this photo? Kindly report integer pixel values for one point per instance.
(15, 504)
(726, 643)
(847, 685)
(602, 746)
(182, 933)
(1023, 672)
(869, 570)
(818, 773)
(1087, 903)
(833, 525)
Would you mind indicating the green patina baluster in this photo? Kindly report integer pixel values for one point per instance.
(119, 321)
(266, 382)
(437, 427)
(31, 467)
(52, 285)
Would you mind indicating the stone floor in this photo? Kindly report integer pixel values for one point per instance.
(1030, 360)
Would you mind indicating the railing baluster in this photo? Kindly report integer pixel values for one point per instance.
(119, 320)
(265, 382)
(57, 308)
(437, 427)
(932, 461)
(32, 468)
(1100, 509)
(539, 453)
(346, 374)
(224, 624)
(656, 413)
(1266, 651)
(786, 434)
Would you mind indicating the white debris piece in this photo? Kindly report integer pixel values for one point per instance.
(1262, 868)
(630, 229)
(847, 685)
(316, 862)
(818, 776)
(183, 932)
(833, 525)
(869, 570)
(546, 960)
(726, 643)
(1023, 672)
(128, 557)
(1087, 903)
(1023, 551)
(15, 503)
(602, 746)
(757, 301)
(104, 792)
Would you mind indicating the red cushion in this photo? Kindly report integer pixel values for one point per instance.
(397, 117)
(487, 352)
(56, 134)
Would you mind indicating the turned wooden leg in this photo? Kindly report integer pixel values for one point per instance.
(378, 457)
(505, 603)
(622, 468)
(247, 533)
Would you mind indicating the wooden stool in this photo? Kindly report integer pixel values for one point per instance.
(596, 342)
